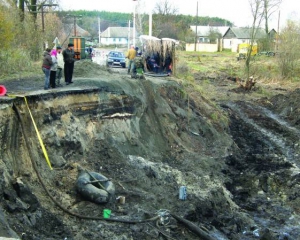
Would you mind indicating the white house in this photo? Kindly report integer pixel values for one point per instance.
(236, 35)
(117, 36)
(209, 38)
(204, 32)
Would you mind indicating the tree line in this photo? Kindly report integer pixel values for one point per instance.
(175, 26)
(24, 32)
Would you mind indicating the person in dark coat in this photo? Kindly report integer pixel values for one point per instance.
(69, 59)
(90, 52)
(46, 66)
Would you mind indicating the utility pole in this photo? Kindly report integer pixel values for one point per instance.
(278, 29)
(196, 38)
(74, 22)
(42, 5)
(134, 23)
(99, 31)
(128, 42)
(150, 19)
(150, 23)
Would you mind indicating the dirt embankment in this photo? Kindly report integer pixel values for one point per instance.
(149, 137)
(142, 134)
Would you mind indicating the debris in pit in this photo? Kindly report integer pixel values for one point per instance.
(119, 115)
(94, 186)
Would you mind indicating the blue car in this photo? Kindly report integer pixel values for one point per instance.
(115, 58)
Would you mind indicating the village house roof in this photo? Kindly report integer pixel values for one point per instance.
(80, 32)
(204, 31)
(117, 32)
(245, 33)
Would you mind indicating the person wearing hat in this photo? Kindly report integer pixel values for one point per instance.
(60, 65)
(69, 59)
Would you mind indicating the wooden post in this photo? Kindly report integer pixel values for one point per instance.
(196, 38)
(173, 59)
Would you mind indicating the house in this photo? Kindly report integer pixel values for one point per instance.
(206, 33)
(209, 38)
(117, 36)
(236, 35)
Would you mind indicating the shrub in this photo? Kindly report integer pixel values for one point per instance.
(289, 49)
(14, 61)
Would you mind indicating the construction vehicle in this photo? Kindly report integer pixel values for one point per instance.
(79, 47)
(243, 50)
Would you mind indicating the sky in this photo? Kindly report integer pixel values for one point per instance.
(236, 11)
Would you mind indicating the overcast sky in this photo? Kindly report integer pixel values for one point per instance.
(236, 11)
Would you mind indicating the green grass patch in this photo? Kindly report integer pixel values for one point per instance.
(197, 67)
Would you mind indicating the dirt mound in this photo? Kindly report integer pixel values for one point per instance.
(287, 106)
(87, 68)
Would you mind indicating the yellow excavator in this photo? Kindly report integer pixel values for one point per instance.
(243, 50)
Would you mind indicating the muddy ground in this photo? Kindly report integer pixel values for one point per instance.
(237, 156)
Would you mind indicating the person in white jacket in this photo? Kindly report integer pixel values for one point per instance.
(60, 65)
(53, 68)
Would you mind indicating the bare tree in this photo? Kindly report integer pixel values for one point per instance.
(257, 10)
(140, 16)
(164, 14)
(270, 6)
(289, 49)
(214, 35)
(165, 8)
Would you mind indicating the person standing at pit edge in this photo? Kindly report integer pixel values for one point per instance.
(47, 63)
(53, 68)
(131, 55)
(69, 59)
(60, 65)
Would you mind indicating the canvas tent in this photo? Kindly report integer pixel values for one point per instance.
(162, 49)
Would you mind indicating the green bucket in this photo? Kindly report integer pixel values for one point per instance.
(106, 213)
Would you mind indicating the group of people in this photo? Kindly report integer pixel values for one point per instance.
(54, 61)
(136, 60)
(90, 52)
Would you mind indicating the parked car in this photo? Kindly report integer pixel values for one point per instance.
(115, 58)
(267, 53)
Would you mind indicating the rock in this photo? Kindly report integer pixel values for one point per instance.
(266, 234)
(26, 196)
(10, 195)
(5, 229)
(57, 161)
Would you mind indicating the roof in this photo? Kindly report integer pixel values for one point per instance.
(148, 38)
(244, 33)
(204, 31)
(69, 28)
(117, 32)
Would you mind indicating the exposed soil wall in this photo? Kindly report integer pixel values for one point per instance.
(144, 135)
(149, 137)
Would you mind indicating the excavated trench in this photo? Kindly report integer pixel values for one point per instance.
(149, 139)
(264, 170)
